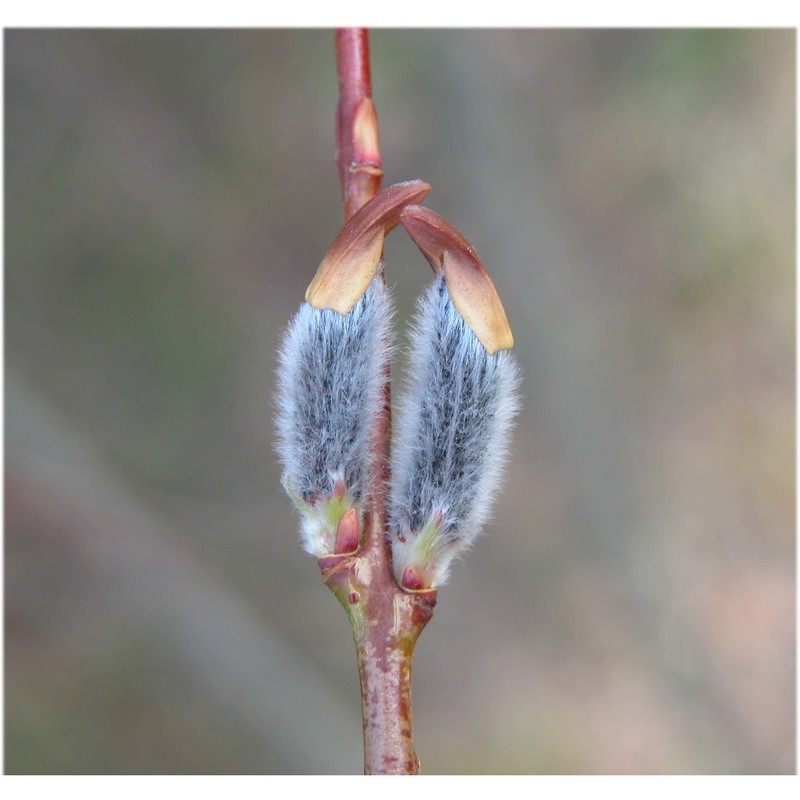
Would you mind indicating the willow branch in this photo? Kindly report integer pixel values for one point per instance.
(386, 619)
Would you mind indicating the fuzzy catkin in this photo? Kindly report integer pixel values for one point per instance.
(330, 375)
(451, 440)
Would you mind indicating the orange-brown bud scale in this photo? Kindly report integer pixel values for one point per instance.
(352, 260)
(471, 290)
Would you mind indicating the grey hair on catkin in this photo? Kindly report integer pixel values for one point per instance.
(451, 440)
(330, 376)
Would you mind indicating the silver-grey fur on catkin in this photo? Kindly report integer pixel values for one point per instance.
(330, 376)
(451, 437)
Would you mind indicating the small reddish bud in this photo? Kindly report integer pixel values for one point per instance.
(411, 579)
(347, 533)
(365, 138)
(353, 598)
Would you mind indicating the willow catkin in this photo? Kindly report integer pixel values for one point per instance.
(451, 442)
(330, 376)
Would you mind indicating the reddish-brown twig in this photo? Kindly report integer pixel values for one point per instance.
(386, 619)
(358, 155)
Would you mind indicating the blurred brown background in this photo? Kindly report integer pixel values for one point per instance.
(169, 195)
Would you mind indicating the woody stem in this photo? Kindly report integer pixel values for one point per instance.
(358, 155)
(386, 620)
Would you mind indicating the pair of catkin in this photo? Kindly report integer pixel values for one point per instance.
(451, 438)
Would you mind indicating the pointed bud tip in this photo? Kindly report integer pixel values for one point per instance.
(352, 260)
(475, 298)
(343, 277)
(471, 290)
